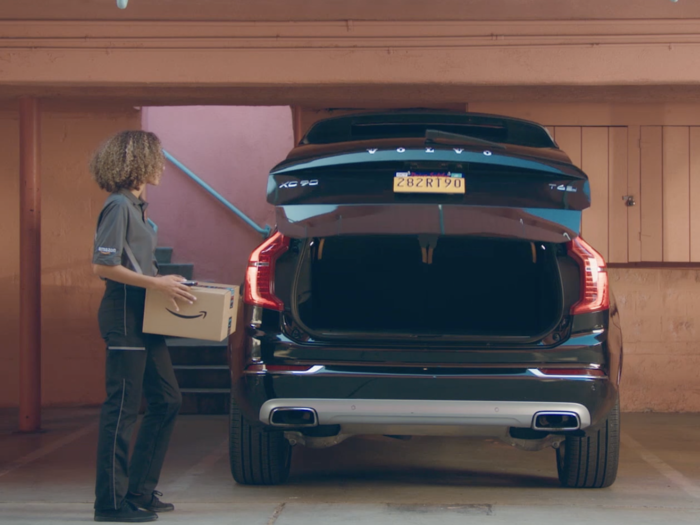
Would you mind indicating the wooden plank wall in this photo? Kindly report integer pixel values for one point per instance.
(634, 185)
(676, 194)
(669, 193)
(602, 152)
(660, 167)
(648, 151)
(650, 199)
(695, 194)
(618, 181)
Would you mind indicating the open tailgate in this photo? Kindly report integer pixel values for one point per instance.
(467, 190)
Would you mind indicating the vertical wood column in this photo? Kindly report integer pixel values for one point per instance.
(618, 180)
(634, 188)
(297, 116)
(30, 266)
(651, 194)
(594, 161)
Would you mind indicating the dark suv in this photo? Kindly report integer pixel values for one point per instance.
(427, 277)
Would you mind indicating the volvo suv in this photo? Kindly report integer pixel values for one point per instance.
(427, 277)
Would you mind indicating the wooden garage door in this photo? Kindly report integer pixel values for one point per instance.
(659, 166)
(602, 152)
(669, 190)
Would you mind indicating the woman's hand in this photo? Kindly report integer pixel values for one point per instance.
(171, 286)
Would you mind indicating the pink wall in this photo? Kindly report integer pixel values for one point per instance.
(232, 149)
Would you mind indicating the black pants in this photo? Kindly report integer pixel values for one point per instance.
(136, 363)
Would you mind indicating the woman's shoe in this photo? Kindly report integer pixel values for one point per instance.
(150, 502)
(127, 513)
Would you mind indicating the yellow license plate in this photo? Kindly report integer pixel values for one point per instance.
(427, 184)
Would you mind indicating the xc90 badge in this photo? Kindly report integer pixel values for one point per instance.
(297, 183)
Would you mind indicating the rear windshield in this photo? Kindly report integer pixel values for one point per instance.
(388, 126)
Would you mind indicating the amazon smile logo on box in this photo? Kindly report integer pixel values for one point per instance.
(212, 317)
(201, 314)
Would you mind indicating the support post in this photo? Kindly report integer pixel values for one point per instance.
(297, 113)
(30, 266)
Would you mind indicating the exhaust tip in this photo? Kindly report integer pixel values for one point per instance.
(293, 417)
(556, 421)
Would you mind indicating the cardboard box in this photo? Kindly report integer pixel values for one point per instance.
(212, 317)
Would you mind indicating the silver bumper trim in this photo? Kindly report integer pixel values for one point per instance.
(518, 414)
(531, 373)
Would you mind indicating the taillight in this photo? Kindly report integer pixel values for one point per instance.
(260, 275)
(595, 286)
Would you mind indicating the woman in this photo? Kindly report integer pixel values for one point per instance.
(124, 256)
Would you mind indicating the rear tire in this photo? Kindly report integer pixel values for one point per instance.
(591, 461)
(257, 457)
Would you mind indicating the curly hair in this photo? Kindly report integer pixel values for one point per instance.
(127, 160)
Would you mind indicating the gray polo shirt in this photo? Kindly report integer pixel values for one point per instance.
(122, 220)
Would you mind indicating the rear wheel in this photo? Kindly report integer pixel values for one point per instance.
(591, 461)
(257, 457)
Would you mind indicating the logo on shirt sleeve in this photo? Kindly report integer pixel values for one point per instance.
(107, 251)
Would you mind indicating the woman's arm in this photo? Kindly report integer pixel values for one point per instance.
(169, 285)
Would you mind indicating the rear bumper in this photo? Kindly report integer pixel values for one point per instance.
(518, 414)
(436, 386)
(398, 399)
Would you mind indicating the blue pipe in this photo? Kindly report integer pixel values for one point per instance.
(121, 4)
(265, 232)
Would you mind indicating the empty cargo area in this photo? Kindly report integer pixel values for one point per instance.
(432, 286)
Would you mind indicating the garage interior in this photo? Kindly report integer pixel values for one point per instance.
(618, 85)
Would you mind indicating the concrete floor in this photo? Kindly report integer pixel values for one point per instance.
(48, 478)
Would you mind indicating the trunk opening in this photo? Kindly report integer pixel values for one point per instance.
(428, 286)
